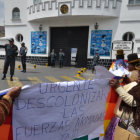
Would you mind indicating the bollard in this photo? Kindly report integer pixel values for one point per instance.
(78, 73)
(47, 64)
(18, 67)
(85, 69)
(82, 70)
(34, 66)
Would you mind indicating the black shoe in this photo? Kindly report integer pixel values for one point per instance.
(11, 78)
(22, 71)
(3, 78)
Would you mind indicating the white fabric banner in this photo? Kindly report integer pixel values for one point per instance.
(60, 111)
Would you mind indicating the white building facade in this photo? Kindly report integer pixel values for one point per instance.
(88, 26)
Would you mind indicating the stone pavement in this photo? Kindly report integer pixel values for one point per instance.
(30, 66)
(42, 74)
(88, 75)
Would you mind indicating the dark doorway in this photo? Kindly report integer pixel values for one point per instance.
(71, 37)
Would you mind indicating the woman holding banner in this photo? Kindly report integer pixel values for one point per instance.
(120, 62)
(127, 107)
(133, 60)
(6, 102)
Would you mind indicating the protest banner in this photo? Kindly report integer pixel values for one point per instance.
(60, 111)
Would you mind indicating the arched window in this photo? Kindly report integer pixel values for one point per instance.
(19, 37)
(36, 1)
(131, 1)
(128, 36)
(16, 13)
(137, 2)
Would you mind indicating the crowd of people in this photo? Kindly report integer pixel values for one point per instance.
(128, 102)
(60, 58)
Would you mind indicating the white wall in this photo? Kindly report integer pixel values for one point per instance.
(133, 27)
(129, 12)
(3, 42)
(9, 6)
(11, 32)
(129, 22)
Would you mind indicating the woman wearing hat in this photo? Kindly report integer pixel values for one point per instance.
(133, 60)
(127, 95)
(120, 62)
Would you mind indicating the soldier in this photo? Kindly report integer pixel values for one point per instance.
(95, 62)
(61, 58)
(53, 57)
(11, 52)
(23, 52)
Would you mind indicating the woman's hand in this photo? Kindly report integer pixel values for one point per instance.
(14, 92)
(114, 83)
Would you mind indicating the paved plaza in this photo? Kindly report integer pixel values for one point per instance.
(41, 74)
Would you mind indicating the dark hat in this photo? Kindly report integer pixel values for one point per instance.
(120, 52)
(22, 43)
(11, 39)
(133, 58)
(138, 66)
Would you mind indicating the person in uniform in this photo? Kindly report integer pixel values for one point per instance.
(95, 62)
(11, 53)
(53, 57)
(61, 58)
(23, 52)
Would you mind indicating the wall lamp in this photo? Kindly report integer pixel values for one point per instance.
(96, 26)
(40, 27)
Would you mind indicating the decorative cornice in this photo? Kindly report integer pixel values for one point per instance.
(48, 4)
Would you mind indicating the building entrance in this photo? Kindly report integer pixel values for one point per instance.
(67, 38)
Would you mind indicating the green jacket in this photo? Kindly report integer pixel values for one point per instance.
(10, 50)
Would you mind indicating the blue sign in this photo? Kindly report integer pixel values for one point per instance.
(101, 42)
(38, 42)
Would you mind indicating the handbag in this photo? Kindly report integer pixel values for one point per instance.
(121, 132)
(122, 123)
